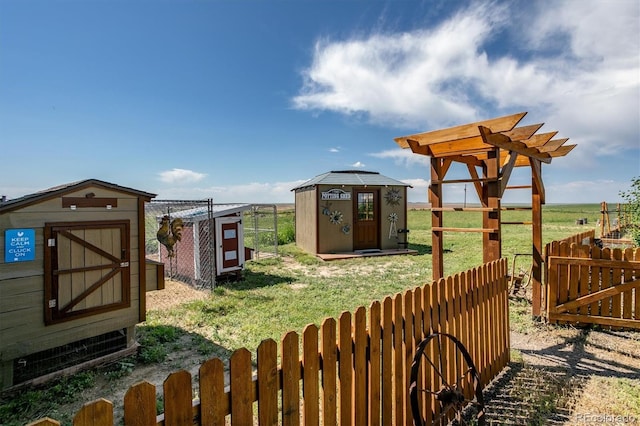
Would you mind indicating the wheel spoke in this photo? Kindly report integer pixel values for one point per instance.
(463, 376)
(439, 418)
(467, 401)
(437, 370)
(440, 361)
(451, 397)
(430, 392)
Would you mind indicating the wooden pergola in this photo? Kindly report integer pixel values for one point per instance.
(490, 149)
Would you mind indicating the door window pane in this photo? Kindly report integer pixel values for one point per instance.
(365, 206)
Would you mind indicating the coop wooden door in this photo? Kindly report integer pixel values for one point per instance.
(366, 222)
(86, 269)
(230, 244)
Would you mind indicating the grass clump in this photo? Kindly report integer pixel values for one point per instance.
(45, 401)
(120, 368)
(623, 397)
(154, 340)
(520, 318)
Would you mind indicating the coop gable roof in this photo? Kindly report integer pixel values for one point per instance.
(57, 191)
(351, 178)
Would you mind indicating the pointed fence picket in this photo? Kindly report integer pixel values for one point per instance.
(353, 371)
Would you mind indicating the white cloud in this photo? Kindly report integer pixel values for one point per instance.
(178, 176)
(418, 192)
(403, 157)
(401, 78)
(334, 150)
(573, 65)
(254, 193)
(358, 165)
(585, 191)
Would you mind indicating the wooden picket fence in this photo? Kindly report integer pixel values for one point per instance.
(350, 371)
(583, 238)
(589, 285)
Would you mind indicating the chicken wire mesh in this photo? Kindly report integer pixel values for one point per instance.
(181, 234)
(261, 230)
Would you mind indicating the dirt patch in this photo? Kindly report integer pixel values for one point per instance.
(175, 293)
(333, 270)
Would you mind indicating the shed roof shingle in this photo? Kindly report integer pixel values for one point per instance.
(351, 177)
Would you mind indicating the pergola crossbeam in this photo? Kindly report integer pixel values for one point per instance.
(500, 124)
(562, 151)
(553, 145)
(482, 230)
(464, 180)
(539, 139)
(506, 171)
(501, 141)
(495, 147)
(523, 133)
(462, 209)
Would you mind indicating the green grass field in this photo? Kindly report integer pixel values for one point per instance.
(289, 298)
(288, 292)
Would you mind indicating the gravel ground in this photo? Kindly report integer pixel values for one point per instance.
(561, 368)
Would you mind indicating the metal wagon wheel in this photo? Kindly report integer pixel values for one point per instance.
(438, 353)
(519, 282)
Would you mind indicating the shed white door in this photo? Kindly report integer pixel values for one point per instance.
(229, 244)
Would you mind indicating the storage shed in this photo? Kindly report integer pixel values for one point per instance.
(73, 278)
(351, 211)
(212, 242)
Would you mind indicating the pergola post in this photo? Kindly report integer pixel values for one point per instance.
(435, 198)
(497, 146)
(491, 240)
(537, 199)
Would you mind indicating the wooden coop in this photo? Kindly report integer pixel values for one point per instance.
(211, 245)
(73, 278)
(347, 211)
(490, 150)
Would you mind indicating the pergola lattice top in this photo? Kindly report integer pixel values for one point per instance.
(495, 146)
(469, 143)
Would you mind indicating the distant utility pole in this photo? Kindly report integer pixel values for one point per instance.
(465, 196)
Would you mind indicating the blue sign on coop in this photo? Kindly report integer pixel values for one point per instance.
(19, 245)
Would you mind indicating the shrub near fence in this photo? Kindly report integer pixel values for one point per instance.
(350, 371)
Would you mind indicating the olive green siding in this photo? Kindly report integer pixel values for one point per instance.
(306, 219)
(22, 326)
(386, 209)
(333, 238)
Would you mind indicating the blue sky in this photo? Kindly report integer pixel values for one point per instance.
(240, 101)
